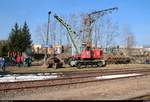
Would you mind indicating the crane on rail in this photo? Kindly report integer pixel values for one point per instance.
(85, 55)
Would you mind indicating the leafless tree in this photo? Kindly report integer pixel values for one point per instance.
(112, 32)
(105, 32)
(54, 34)
(74, 21)
(41, 33)
(129, 39)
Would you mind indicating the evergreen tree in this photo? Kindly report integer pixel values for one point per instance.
(14, 38)
(27, 36)
(3, 47)
(20, 38)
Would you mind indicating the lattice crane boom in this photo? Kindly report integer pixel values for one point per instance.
(77, 43)
(91, 18)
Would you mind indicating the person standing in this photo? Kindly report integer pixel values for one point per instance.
(18, 59)
(2, 63)
(29, 61)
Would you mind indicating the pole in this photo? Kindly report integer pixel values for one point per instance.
(48, 27)
(45, 57)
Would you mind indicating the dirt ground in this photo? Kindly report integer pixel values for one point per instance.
(120, 89)
(66, 68)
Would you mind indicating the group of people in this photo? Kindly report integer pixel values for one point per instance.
(15, 60)
(21, 61)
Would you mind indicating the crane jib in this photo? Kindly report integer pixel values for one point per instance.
(72, 34)
(102, 11)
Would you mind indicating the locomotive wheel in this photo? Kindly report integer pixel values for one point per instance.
(92, 65)
(72, 63)
(58, 65)
(79, 65)
(104, 65)
(95, 65)
(99, 64)
(55, 65)
(50, 65)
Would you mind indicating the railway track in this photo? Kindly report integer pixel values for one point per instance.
(102, 72)
(71, 73)
(68, 79)
(141, 97)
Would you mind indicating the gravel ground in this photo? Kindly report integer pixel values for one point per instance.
(120, 89)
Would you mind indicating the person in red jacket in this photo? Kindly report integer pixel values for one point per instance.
(18, 60)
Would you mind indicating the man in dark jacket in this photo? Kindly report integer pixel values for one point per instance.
(2, 63)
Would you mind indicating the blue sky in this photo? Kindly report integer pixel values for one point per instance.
(135, 13)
